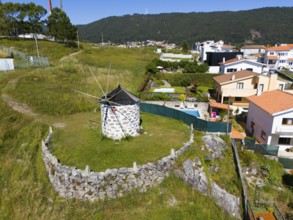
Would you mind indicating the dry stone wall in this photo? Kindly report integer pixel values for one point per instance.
(75, 183)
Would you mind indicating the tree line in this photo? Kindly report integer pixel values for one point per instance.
(17, 18)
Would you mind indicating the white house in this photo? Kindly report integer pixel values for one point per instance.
(238, 64)
(253, 52)
(211, 46)
(270, 118)
(279, 56)
(6, 64)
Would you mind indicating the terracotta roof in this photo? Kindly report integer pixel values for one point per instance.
(238, 75)
(282, 101)
(231, 61)
(272, 57)
(236, 134)
(253, 47)
(281, 48)
(290, 59)
(218, 105)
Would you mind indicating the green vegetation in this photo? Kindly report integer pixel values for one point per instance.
(25, 188)
(54, 51)
(272, 173)
(260, 26)
(159, 135)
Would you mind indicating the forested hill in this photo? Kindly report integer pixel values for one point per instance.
(265, 25)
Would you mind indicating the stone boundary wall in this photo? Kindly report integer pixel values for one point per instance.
(70, 182)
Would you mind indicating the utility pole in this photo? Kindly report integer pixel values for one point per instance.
(77, 36)
(228, 113)
(38, 54)
(61, 5)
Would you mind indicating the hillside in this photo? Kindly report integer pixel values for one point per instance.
(265, 25)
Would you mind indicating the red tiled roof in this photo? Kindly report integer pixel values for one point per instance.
(272, 57)
(218, 105)
(282, 101)
(281, 48)
(253, 47)
(237, 76)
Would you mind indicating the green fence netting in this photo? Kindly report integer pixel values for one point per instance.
(198, 124)
(286, 162)
(264, 149)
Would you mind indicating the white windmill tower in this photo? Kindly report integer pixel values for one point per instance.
(120, 113)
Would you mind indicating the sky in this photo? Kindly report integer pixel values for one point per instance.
(87, 11)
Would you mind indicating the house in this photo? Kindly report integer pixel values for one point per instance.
(215, 58)
(212, 46)
(237, 86)
(6, 64)
(239, 63)
(253, 52)
(280, 56)
(269, 123)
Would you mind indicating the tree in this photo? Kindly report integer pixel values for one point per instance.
(60, 27)
(185, 47)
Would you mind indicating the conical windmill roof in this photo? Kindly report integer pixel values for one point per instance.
(119, 96)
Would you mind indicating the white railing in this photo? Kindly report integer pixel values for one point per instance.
(284, 129)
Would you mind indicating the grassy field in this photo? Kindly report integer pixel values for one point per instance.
(27, 193)
(87, 146)
(25, 188)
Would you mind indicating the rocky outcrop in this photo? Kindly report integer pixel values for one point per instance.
(215, 145)
(192, 172)
(226, 200)
(75, 183)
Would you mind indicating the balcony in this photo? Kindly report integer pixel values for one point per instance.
(284, 130)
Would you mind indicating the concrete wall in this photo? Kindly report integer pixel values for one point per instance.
(242, 65)
(70, 182)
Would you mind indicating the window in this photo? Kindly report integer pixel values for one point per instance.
(290, 63)
(252, 124)
(261, 87)
(287, 121)
(283, 54)
(230, 70)
(282, 61)
(263, 135)
(238, 99)
(239, 85)
(280, 87)
(271, 53)
(249, 69)
(284, 141)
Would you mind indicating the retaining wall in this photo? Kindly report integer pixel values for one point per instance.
(84, 184)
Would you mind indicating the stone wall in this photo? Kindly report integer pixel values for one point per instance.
(84, 184)
(120, 121)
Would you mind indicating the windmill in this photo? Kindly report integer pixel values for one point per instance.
(120, 113)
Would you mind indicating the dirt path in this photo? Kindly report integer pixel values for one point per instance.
(18, 106)
(71, 55)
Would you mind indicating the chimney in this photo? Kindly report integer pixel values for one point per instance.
(239, 57)
(273, 81)
(224, 59)
(258, 92)
(233, 77)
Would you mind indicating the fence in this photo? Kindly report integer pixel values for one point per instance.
(264, 149)
(286, 162)
(198, 123)
(24, 61)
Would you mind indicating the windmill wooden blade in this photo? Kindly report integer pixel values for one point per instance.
(108, 77)
(86, 94)
(98, 82)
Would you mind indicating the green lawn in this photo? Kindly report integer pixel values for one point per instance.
(80, 143)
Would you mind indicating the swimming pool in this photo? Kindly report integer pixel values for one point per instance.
(194, 113)
(167, 90)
